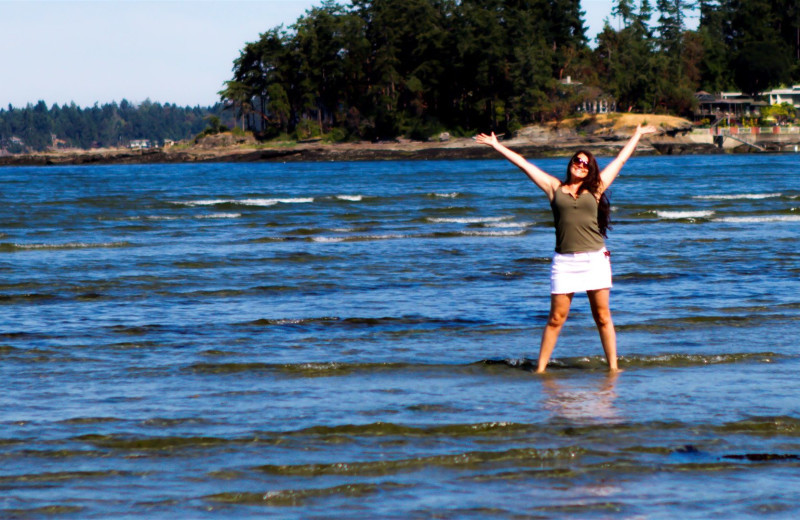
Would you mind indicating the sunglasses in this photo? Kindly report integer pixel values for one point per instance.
(580, 162)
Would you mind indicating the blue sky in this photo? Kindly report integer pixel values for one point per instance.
(176, 51)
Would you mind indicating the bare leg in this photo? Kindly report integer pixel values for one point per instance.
(601, 311)
(559, 309)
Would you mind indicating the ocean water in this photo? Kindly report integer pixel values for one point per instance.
(355, 340)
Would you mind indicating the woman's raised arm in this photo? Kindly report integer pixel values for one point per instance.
(611, 171)
(545, 181)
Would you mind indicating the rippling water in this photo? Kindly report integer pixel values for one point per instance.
(355, 340)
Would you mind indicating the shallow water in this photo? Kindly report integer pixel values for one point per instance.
(355, 340)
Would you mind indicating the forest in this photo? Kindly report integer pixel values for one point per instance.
(39, 127)
(378, 69)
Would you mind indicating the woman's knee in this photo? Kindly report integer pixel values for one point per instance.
(559, 309)
(557, 318)
(602, 317)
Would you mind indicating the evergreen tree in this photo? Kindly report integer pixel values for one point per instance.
(760, 58)
(40, 128)
(627, 59)
(714, 34)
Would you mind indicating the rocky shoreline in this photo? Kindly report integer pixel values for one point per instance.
(303, 152)
(532, 142)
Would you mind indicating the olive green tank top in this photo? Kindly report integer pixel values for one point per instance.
(577, 230)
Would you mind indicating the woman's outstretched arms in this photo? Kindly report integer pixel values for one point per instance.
(611, 171)
(545, 181)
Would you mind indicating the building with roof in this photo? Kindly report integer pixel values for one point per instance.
(789, 95)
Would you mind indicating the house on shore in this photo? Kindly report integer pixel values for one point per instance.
(735, 106)
(592, 100)
(139, 144)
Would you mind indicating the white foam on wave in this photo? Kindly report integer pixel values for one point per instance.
(739, 196)
(246, 202)
(684, 214)
(494, 233)
(764, 218)
(510, 224)
(220, 215)
(357, 238)
(350, 198)
(468, 220)
(72, 245)
(452, 195)
(161, 217)
(201, 202)
(328, 239)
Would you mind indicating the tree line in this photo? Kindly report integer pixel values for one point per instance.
(378, 69)
(39, 127)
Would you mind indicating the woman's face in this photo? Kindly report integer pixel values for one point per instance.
(579, 167)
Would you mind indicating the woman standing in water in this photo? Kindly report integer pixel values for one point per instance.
(581, 261)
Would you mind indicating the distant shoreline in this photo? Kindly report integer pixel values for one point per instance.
(301, 153)
(603, 136)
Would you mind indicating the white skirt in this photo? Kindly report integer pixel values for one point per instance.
(579, 272)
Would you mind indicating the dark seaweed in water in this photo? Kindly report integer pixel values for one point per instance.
(356, 340)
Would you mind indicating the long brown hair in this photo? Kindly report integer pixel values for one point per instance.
(592, 184)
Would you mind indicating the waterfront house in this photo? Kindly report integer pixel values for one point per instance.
(734, 106)
(139, 144)
(730, 106)
(591, 100)
(789, 95)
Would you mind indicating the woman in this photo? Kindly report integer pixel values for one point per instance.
(581, 262)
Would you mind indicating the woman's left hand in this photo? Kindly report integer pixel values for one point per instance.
(490, 139)
(644, 130)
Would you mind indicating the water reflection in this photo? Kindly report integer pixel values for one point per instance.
(582, 400)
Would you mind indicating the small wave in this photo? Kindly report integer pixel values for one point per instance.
(50, 511)
(358, 238)
(765, 218)
(331, 369)
(773, 425)
(220, 215)
(245, 202)
(364, 322)
(158, 217)
(61, 476)
(297, 497)
(472, 459)
(26, 297)
(675, 215)
(639, 361)
(381, 429)
(514, 233)
(452, 195)
(645, 277)
(509, 224)
(12, 247)
(739, 196)
(291, 321)
(202, 202)
(329, 239)
(467, 220)
(688, 360)
(350, 198)
(120, 442)
(90, 420)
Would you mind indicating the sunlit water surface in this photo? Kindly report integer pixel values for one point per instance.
(355, 340)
